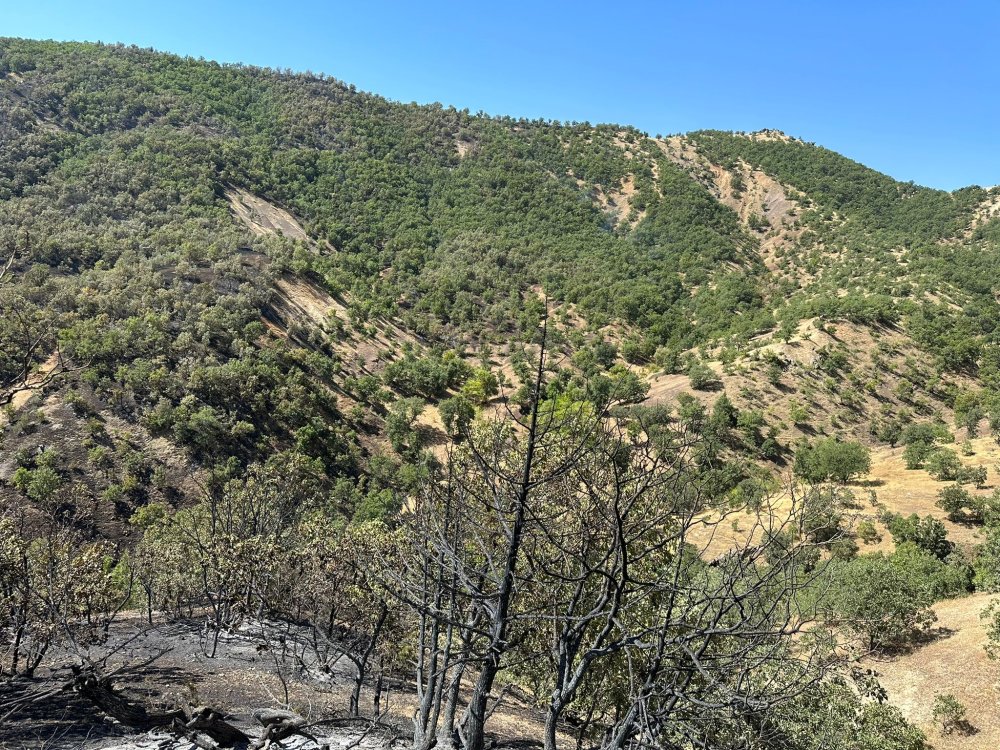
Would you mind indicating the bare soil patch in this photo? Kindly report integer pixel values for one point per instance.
(262, 217)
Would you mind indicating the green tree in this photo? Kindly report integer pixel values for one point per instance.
(948, 712)
(481, 386)
(400, 425)
(457, 414)
(928, 533)
(954, 500)
(831, 459)
(881, 602)
(943, 464)
(702, 376)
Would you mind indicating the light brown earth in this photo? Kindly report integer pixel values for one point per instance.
(263, 217)
(826, 398)
(33, 384)
(952, 662)
(307, 301)
(986, 211)
(303, 302)
(907, 491)
(616, 201)
(770, 134)
(761, 196)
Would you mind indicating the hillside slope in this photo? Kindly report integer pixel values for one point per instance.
(211, 271)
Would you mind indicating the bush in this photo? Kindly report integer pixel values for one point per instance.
(986, 510)
(880, 601)
(703, 377)
(920, 440)
(954, 500)
(867, 533)
(987, 562)
(888, 431)
(939, 578)
(928, 533)
(456, 414)
(798, 413)
(944, 465)
(914, 455)
(428, 376)
(972, 475)
(948, 712)
(400, 425)
(481, 386)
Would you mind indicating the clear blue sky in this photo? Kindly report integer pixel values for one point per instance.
(910, 88)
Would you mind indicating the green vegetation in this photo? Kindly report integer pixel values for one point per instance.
(949, 713)
(832, 460)
(421, 423)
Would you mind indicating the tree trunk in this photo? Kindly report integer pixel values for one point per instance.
(101, 692)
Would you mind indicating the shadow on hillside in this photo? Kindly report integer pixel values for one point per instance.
(965, 729)
(431, 436)
(918, 641)
(710, 386)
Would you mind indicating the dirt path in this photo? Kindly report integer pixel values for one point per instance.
(35, 381)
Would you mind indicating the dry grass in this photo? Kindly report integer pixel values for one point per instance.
(953, 662)
(988, 210)
(34, 382)
(907, 491)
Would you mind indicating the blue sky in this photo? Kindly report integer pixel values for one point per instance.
(909, 88)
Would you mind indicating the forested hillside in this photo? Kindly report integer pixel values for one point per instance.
(646, 436)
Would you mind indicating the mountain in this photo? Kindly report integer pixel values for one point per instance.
(214, 272)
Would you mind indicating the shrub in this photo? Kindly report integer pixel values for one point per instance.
(954, 500)
(867, 533)
(400, 425)
(880, 601)
(481, 386)
(457, 414)
(928, 533)
(948, 712)
(944, 465)
(939, 578)
(703, 377)
(798, 413)
(972, 475)
(915, 453)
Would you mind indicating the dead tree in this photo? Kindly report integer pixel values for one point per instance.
(463, 568)
(280, 725)
(580, 539)
(5, 271)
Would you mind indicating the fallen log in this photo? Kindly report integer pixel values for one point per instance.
(211, 722)
(279, 725)
(100, 691)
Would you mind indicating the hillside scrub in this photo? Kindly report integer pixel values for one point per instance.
(482, 406)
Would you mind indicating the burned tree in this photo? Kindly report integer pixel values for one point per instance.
(569, 550)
